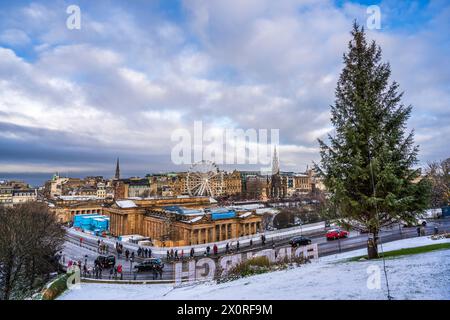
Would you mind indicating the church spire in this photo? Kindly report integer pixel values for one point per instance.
(275, 163)
(117, 176)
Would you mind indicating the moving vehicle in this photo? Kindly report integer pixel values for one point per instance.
(334, 234)
(106, 261)
(415, 223)
(299, 241)
(149, 265)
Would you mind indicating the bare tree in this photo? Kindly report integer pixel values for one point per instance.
(29, 239)
(439, 175)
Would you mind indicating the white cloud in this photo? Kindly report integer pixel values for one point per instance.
(125, 83)
(14, 37)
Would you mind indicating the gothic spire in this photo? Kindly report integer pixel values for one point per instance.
(117, 176)
(275, 163)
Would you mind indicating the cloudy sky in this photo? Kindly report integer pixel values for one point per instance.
(74, 100)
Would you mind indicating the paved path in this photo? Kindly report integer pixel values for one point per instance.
(88, 250)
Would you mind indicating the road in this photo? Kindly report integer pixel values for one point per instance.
(88, 250)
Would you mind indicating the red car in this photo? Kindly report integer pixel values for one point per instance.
(336, 234)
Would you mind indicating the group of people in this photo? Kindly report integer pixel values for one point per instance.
(102, 247)
(97, 270)
(157, 270)
(144, 253)
(115, 272)
(421, 231)
(119, 249)
(175, 255)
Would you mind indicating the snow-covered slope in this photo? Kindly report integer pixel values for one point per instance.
(421, 276)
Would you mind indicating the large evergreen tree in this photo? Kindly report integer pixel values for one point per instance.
(368, 164)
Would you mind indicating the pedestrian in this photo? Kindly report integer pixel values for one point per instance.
(182, 254)
(176, 254)
(154, 273)
(237, 246)
(227, 248)
(132, 255)
(139, 251)
(146, 252)
(84, 270)
(160, 271)
(119, 270)
(90, 272)
(127, 254)
(111, 272)
(251, 242)
(208, 249)
(215, 249)
(436, 230)
(418, 231)
(168, 255)
(191, 254)
(149, 253)
(115, 273)
(81, 241)
(171, 253)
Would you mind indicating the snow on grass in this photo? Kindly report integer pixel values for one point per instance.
(420, 276)
(389, 246)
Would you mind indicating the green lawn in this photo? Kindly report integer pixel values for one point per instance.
(408, 251)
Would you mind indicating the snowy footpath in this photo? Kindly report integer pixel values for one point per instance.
(419, 276)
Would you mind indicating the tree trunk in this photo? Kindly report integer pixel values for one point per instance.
(372, 246)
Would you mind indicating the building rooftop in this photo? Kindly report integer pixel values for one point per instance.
(78, 198)
(125, 204)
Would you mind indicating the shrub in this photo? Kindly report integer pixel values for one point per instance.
(261, 264)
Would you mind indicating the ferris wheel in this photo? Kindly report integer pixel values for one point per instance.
(204, 179)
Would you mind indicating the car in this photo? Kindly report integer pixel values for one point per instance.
(106, 261)
(336, 234)
(299, 241)
(149, 265)
(415, 223)
(421, 222)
